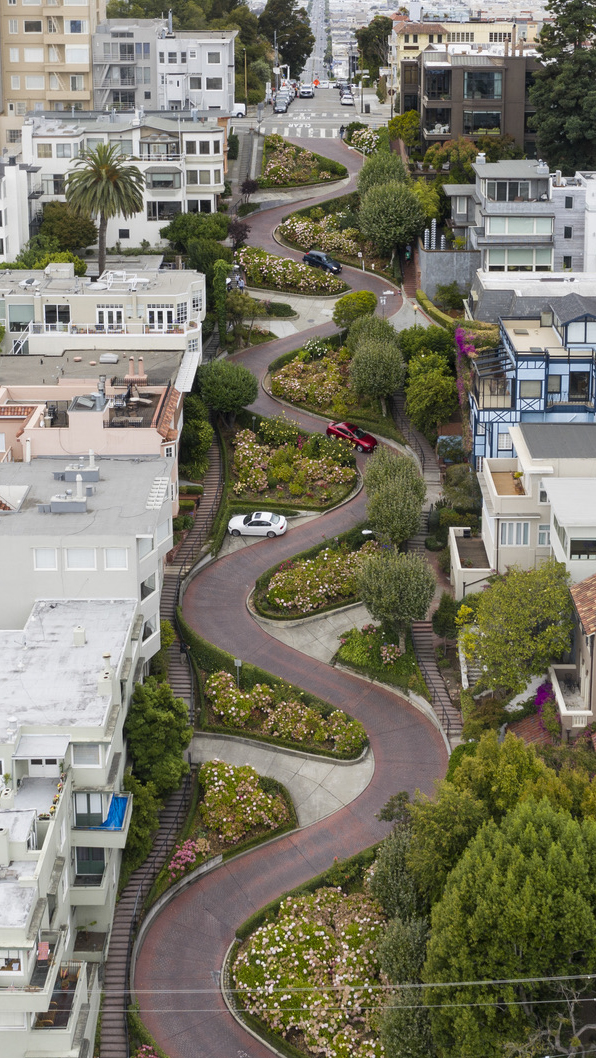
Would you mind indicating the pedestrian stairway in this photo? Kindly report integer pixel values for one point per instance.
(424, 649)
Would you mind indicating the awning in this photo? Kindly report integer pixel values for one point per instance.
(31, 746)
(165, 170)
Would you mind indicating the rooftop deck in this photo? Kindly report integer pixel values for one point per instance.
(506, 484)
(472, 552)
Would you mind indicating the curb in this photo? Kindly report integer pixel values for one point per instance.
(297, 620)
(285, 750)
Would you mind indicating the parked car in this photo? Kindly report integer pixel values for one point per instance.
(259, 523)
(307, 91)
(341, 84)
(323, 84)
(239, 110)
(347, 431)
(347, 99)
(280, 106)
(318, 259)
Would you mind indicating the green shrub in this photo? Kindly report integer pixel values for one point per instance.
(465, 749)
(233, 146)
(432, 543)
(278, 431)
(245, 208)
(182, 522)
(445, 561)
(432, 311)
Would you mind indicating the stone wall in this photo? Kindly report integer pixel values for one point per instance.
(443, 266)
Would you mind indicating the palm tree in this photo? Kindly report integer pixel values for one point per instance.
(103, 185)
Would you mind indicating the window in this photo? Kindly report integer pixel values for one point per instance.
(13, 136)
(567, 262)
(515, 534)
(479, 122)
(567, 232)
(544, 535)
(195, 84)
(217, 176)
(15, 82)
(504, 442)
(44, 150)
(80, 558)
(13, 54)
(182, 312)
(116, 558)
(568, 202)
(88, 810)
(90, 865)
(124, 233)
(191, 146)
(204, 147)
(86, 754)
(461, 204)
(167, 180)
(32, 54)
(30, 26)
(64, 884)
(172, 57)
(214, 84)
(162, 532)
(217, 146)
(13, 25)
(182, 56)
(35, 81)
(530, 388)
(197, 301)
(192, 176)
(479, 84)
(582, 549)
(10, 959)
(508, 190)
(76, 55)
(75, 25)
(542, 493)
(56, 314)
(162, 57)
(147, 95)
(204, 176)
(554, 384)
(45, 558)
(146, 50)
(193, 345)
(145, 545)
(579, 385)
(77, 83)
(213, 58)
(63, 150)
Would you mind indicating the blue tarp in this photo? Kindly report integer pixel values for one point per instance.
(116, 813)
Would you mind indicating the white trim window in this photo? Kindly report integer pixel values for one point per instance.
(504, 442)
(514, 534)
(544, 535)
(116, 557)
(86, 755)
(80, 558)
(45, 558)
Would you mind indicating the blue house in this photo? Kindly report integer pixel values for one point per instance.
(544, 370)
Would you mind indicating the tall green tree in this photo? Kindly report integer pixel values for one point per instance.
(406, 127)
(431, 392)
(371, 327)
(385, 466)
(373, 43)
(441, 830)
(564, 89)
(220, 274)
(72, 230)
(523, 623)
(295, 40)
(352, 306)
(390, 216)
(376, 369)
(104, 185)
(396, 588)
(393, 513)
(144, 821)
(158, 732)
(227, 387)
(520, 903)
(381, 168)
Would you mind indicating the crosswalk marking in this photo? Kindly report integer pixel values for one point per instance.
(297, 132)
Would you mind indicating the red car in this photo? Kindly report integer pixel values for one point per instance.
(364, 442)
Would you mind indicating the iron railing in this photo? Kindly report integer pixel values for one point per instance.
(400, 420)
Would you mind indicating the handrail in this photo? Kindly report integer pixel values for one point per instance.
(410, 435)
(144, 887)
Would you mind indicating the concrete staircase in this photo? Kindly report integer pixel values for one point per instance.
(424, 649)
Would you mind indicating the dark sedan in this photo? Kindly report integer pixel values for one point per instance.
(318, 259)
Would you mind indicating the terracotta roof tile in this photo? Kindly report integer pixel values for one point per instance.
(164, 418)
(529, 730)
(584, 597)
(16, 411)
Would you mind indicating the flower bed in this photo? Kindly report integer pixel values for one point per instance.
(375, 652)
(286, 165)
(326, 941)
(263, 471)
(235, 804)
(264, 269)
(283, 716)
(324, 234)
(330, 577)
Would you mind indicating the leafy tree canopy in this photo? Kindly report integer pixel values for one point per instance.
(158, 732)
(431, 339)
(520, 903)
(366, 327)
(381, 168)
(390, 882)
(431, 392)
(385, 466)
(144, 821)
(295, 40)
(462, 152)
(227, 387)
(390, 216)
(376, 369)
(523, 623)
(564, 89)
(373, 44)
(396, 588)
(71, 231)
(429, 199)
(186, 226)
(406, 127)
(352, 306)
(394, 513)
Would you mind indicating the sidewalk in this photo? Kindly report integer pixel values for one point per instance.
(312, 312)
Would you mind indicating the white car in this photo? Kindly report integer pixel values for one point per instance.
(323, 84)
(259, 523)
(347, 100)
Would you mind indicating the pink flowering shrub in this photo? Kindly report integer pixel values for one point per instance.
(288, 718)
(234, 804)
(548, 714)
(264, 269)
(325, 234)
(325, 941)
(146, 1051)
(253, 461)
(318, 383)
(315, 582)
(187, 856)
(287, 164)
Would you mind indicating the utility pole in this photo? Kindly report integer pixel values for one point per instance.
(276, 60)
(245, 80)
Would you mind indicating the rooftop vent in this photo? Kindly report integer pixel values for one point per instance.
(79, 636)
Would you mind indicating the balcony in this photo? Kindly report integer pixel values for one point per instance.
(437, 131)
(35, 993)
(58, 338)
(66, 997)
(109, 834)
(574, 710)
(470, 567)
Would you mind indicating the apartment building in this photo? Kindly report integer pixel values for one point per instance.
(45, 58)
(543, 371)
(184, 162)
(540, 504)
(410, 38)
(143, 63)
(53, 313)
(67, 677)
(17, 184)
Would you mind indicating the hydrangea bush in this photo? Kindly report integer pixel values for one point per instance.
(288, 718)
(324, 234)
(235, 805)
(318, 382)
(187, 856)
(259, 468)
(285, 163)
(326, 941)
(309, 584)
(366, 140)
(264, 269)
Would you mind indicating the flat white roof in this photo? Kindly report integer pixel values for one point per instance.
(45, 681)
(17, 823)
(41, 746)
(16, 900)
(573, 500)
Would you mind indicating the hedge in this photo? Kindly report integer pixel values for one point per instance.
(351, 537)
(139, 1034)
(435, 314)
(410, 682)
(329, 165)
(208, 658)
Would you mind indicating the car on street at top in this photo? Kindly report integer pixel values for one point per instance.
(259, 523)
(348, 431)
(347, 100)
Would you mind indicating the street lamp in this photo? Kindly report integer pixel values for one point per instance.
(245, 79)
(415, 307)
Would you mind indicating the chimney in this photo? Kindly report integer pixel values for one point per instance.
(142, 377)
(101, 385)
(558, 178)
(79, 636)
(506, 50)
(79, 481)
(28, 450)
(480, 158)
(104, 684)
(91, 459)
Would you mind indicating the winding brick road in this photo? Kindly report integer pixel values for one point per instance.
(177, 974)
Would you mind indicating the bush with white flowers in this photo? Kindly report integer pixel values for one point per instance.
(235, 805)
(264, 269)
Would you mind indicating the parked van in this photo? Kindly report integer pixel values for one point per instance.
(239, 110)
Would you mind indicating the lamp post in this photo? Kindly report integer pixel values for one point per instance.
(245, 79)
